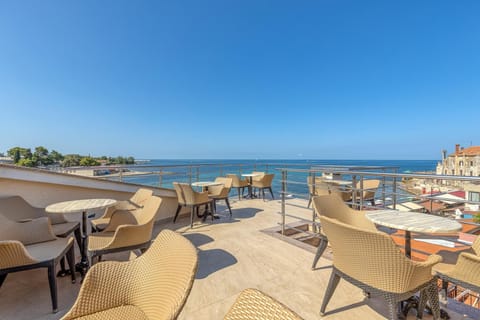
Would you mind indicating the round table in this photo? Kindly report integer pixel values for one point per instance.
(205, 185)
(250, 176)
(413, 221)
(82, 206)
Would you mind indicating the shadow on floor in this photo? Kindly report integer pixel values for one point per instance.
(198, 239)
(210, 261)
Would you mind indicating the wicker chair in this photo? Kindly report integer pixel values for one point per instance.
(332, 206)
(221, 192)
(127, 230)
(264, 183)
(367, 193)
(318, 188)
(253, 304)
(259, 175)
(372, 261)
(464, 273)
(153, 286)
(17, 209)
(31, 245)
(187, 197)
(238, 183)
(135, 202)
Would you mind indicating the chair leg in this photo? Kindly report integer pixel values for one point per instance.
(432, 293)
(320, 250)
(238, 191)
(176, 213)
(263, 194)
(52, 281)
(309, 201)
(271, 192)
(228, 205)
(2, 278)
(62, 271)
(422, 303)
(78, 237)
(192, 209)
(71, 263)
(214, 209)
(392, 306)
(332, 285)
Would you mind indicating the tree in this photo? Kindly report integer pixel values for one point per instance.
(16, 156)
(71, 160)
(56, 156)
(26, 162)
(88, 162)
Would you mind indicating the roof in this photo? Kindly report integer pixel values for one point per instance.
(458, 193)
(470, 151)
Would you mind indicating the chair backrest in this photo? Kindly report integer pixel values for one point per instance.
(147, 213)
(235, 179)
(141, 196)
(158, 282)
(371, 184)
(227, 182)
(187, 192)
(179, 191)
(16, 208)
(332, 206)
(476, 246)
(267, 179)
(370, 257)
(321, 188)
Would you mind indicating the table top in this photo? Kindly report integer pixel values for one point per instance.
(339, 182)
(250, 174)
(413, 221)
(205, 183)
(80, 205)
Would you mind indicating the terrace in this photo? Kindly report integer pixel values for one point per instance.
(245, 251)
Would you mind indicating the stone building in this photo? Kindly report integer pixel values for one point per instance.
(463, 162)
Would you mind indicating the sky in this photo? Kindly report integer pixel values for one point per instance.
(326, 79)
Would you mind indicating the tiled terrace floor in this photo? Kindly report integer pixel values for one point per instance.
(233, 255)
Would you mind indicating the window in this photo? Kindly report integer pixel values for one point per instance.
(471, 173)
(461, 172)
(460, 163)
(471, 163)
(453, 172)
(474, 196)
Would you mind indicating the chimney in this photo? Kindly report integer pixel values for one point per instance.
(457, 148)
(444, 154)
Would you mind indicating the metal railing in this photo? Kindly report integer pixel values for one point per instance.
(392, 191)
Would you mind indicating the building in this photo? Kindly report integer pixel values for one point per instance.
(463, 162)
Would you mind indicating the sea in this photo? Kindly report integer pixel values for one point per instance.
(162, 173)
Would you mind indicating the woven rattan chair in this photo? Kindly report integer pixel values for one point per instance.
(333, 206)
(135, 202)
(253, 304)
(127, 230)
(367, 193)
(319, 188)
(258, 175)
(238, 183)
(221, 192)
(31, 245)
(187, 197)
(264, 183)
(372, 261)
(153, 286)
(464, 273)
(17, 209)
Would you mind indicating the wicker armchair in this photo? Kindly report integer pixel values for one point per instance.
(464, 273)
(135, 202)
(264, 183)
(238, 183)
(31, 245)
(221, 192)
(253, 304)
(153, 286)
(332, 206)
(319, 188)
(127, 230)
(17, 209)
(259, 175)
(187, 197)
(372, 261)
(367, 193)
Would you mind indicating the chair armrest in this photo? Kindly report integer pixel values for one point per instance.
(103, 288)
(432, 260)
(118, 218)
(422, 271)
(467, 268)
(14, 254)
(130, 235)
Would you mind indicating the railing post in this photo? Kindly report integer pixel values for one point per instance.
(266, 168)
(255, 166)
(190, 174)
(160, 178)
(197, 174)
(361, 191)
(221, 170)
(314, 216)
(394, 188)
(384, 181)
(354, 190)
(284, 192)
(120, 175)
(240, 169)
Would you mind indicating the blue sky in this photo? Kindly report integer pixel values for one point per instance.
(240, 79)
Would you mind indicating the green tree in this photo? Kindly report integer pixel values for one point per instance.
(26, 162)
(16, 156)
(71, 160)
(88, 162)
(56, 156)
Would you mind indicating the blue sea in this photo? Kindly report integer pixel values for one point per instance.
(207, 170)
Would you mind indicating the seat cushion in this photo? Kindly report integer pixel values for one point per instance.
(127, 312)
(100, 223)
(50, 249)
(64, 229)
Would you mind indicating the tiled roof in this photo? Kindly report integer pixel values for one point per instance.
(470, 151)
